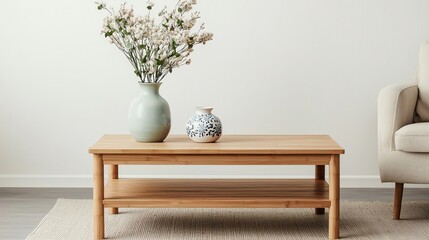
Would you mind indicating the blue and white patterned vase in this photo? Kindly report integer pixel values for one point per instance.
(203, 126)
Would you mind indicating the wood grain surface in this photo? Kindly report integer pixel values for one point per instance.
(227, 144)
(277, 193)
(216, 159)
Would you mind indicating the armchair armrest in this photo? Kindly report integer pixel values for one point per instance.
(396, 107)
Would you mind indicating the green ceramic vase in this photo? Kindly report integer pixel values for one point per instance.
(149, 115)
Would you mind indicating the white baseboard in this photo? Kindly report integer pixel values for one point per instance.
(84, 181)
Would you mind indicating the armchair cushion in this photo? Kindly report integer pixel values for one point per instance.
(422, 108)
(413, 138)
(396, 105)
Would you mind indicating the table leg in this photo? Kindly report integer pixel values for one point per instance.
(113, 174)
(98, 195)
(334, 197)
(320, 175)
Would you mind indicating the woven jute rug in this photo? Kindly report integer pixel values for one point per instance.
(72, 219)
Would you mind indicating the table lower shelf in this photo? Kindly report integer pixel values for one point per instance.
(217, 193)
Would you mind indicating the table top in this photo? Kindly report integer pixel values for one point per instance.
(227, 144)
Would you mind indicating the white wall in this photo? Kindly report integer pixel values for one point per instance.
(274, 67)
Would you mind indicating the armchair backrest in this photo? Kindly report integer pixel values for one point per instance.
(422, 108)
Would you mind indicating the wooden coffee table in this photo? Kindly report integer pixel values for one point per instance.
(318, 150)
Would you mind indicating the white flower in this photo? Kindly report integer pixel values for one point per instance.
(149, 4)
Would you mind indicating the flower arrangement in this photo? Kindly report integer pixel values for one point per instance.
(155, 48)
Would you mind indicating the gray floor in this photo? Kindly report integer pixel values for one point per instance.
(21, 209)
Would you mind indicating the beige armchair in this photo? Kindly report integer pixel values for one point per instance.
(403, 131)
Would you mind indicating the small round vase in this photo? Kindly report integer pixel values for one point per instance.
(149, 115)
(203, 126)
